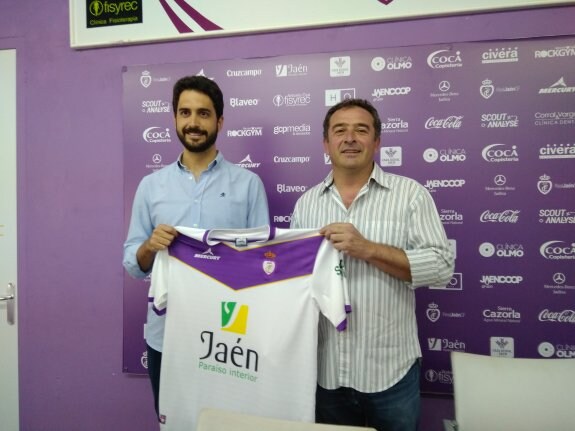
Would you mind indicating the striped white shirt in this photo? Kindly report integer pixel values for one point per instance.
(381, 342)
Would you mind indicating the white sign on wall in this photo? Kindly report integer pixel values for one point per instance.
(114, 22)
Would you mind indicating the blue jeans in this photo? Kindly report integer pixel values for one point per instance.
(395, 409)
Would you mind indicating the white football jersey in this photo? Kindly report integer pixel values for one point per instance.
(242, 309)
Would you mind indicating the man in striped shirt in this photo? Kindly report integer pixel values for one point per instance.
(393, 240)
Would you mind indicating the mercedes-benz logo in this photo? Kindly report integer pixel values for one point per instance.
(559, 278)
(157, 158)
(444, 86)
(499, 180)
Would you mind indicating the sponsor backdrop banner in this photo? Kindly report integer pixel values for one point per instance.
(487, 127)
(114, 22)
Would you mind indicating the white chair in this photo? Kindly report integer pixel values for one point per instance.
(513, 394)
(224, 420)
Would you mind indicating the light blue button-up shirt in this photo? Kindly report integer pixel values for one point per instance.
(225, 196)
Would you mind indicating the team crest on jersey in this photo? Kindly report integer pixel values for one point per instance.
(234, 317)
(269, 264)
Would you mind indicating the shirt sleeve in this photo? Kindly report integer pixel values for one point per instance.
(295, 223)
(259, 212)
(430, 256)
(329, 285)
(140, 229)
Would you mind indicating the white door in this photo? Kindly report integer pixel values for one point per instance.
(9, 419)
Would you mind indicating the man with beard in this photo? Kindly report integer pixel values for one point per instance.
(201, 190)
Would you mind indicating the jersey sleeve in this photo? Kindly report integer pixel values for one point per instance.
(329, 285)
(158, 293)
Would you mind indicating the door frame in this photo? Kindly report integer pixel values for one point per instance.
(9, 389)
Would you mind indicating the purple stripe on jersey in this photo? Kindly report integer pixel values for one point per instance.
(240, 269)
(158, 311)
(348, 308)
(342, 326)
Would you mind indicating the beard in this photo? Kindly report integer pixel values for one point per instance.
(198, 148)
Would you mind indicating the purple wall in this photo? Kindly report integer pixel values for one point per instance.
(70, 195)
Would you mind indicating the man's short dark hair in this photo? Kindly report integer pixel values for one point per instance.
(203, 85)
(349, 103)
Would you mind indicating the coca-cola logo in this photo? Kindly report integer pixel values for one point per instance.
(507, 216)
(451, 122)
(565, 316)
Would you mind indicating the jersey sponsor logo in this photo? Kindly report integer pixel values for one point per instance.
(221, 356)
(208, 254)
(234, 317)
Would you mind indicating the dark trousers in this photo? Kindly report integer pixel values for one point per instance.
(154, 366)
(395, 409)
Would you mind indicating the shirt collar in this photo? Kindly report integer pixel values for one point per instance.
(211, 166)
(377, 176)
